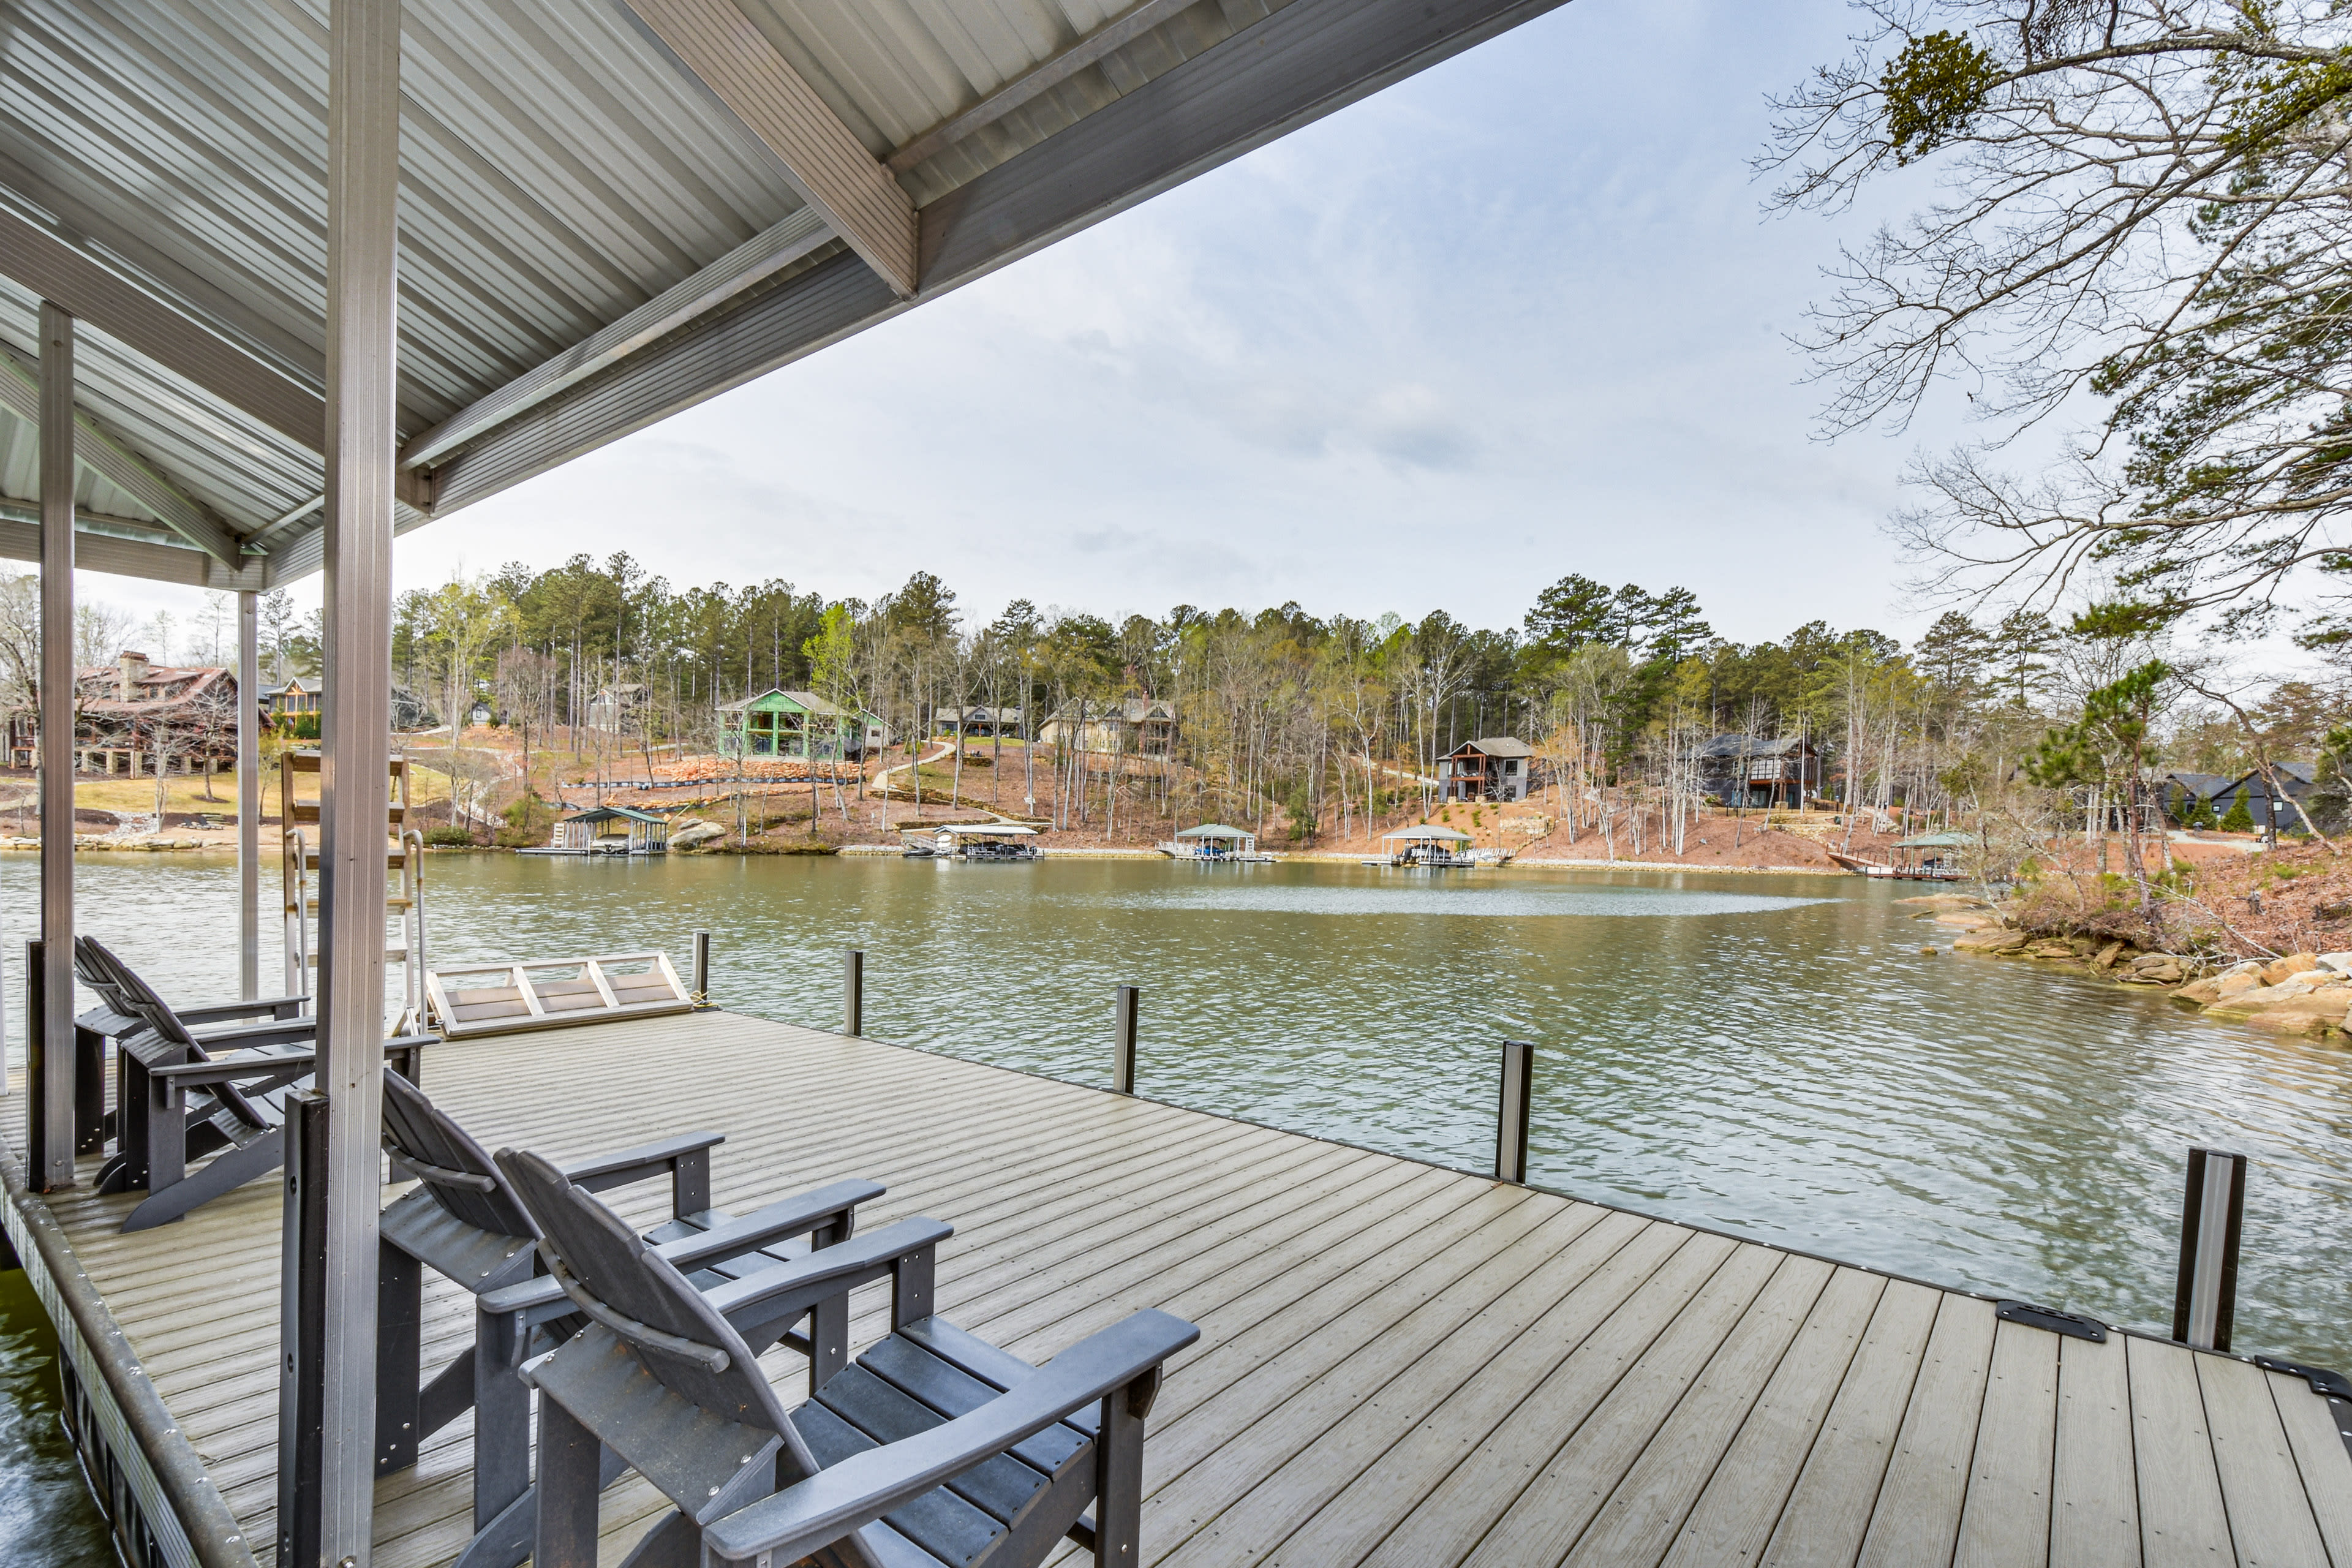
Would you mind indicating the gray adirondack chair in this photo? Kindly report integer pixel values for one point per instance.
(934, 1449)
(222, 1092)
(462, 1222)
(138, 1049)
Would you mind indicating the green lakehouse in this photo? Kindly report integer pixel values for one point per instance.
(794, 724)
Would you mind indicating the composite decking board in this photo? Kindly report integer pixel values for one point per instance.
(1438, 1341)
(2093, 1491)
(1262, 1515)
(1644, 1512)
(1374, 1499)
(1741, 1498)
(1918, 1516)
(1485, 1478)
(2182, 1520)
(2270, 1518)
(1827, 1511)
(1553, 1511)
(2321, 1459)
(1399, 1363)
(2005, 1520)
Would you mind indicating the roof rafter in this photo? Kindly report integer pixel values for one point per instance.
(93, 293)
(824, 161)
(20, 393)
(745, 267)
(96, 549)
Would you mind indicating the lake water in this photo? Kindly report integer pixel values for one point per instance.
(1770, 1056)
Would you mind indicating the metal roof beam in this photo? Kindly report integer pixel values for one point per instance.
(99, 296)
(96, 549)
(745, 267)
(1053, 73)
(1304, 61)
(20, 393)
(824, 161)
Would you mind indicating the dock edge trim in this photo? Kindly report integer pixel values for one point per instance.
(167, 1481)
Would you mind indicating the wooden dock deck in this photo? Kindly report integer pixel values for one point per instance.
(1397, 1365)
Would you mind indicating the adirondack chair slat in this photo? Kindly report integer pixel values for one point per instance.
(952, 1392)
(1001, 1487)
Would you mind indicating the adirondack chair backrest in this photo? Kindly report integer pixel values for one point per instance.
(624, 1284)
(98, 978)
(137, 998)
(453, 1167)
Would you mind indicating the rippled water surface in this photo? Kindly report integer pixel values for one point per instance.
(1772, 1055)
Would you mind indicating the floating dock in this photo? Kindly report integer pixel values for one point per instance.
(1399, 1364)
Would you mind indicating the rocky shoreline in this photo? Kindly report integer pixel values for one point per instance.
(2302, 992)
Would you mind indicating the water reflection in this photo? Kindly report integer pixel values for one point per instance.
(47, 1517)
(1772, 1055)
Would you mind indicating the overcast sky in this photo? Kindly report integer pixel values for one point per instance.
(1515, 317)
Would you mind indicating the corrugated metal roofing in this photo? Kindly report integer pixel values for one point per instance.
(560, 169)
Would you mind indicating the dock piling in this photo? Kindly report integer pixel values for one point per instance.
(1511, 1116)
(700, 991)
(2212, 1213)
(852, 991)
(1122, 1069)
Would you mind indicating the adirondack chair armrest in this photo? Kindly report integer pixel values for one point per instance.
(278, 1007)
(685, 1158)
(277, 1032)
(537, 1301)
(804, 1519)
(234, 1069)
(903, 1253)
(833, 1206)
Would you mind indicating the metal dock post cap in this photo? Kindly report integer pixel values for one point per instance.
(2212, 1215)
(1122, 1061)
(1511, 1114)
(852, 991)
(700, 990)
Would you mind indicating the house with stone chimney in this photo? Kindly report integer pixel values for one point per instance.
(133, 718)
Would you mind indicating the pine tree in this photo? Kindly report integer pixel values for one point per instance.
(2240, 819)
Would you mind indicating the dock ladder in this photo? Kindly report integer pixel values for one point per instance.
(404, 904)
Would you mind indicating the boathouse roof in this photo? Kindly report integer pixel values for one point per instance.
(607, 215)
(614, 814)
(1216, 830)
(1430, 831)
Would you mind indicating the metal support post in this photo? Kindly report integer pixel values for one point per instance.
(248, 795)
(301, 1331)
(1122, 1059)
(2210, 1218)
(1511, 1117)
(700, 993)
(852, 991)
(54, 1108)
(363, 414)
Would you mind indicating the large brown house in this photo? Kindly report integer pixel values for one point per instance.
(133, 717)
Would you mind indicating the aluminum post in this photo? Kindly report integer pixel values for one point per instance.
(55, 1107)
(700, 993)
(248, 795)
(2211, 1216)
(1511, 1116)
(852, 991)
(1122, 1061)
(362, 194)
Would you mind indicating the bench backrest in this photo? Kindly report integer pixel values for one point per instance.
(638, 1289)
(453, 1167)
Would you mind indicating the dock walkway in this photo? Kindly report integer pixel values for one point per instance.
(1399, 1364)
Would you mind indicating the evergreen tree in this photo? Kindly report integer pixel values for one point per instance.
(2240, 819)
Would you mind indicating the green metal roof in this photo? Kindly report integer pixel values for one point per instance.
(1955, 839)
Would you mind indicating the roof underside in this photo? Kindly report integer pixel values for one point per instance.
(593, 234)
